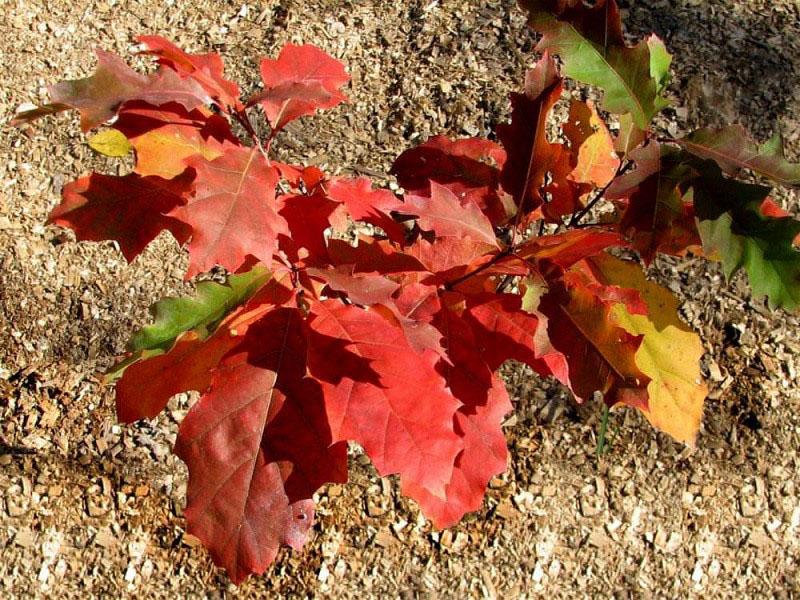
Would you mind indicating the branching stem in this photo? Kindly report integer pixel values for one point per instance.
(244, 120)
(576, 218)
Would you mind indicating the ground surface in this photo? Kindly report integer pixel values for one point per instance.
(96, 508)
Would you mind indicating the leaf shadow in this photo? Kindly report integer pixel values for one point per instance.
(331, 361)
(738, 64)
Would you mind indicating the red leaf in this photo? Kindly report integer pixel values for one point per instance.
(383, 395)
(307, 218)
(297, 176)
(131, 210)
(565, 249)
(478, 422)
(113, 83)
(361, 288)
(584, 274)
(414, 308)
(302, 80)
(530, 155)
(449, 257)
(444, 214)
(233, 213)
(147, 386)
(368, 205)
(503, 330)
(600, 354)
(470, 168)
(565, 194)
(591, 144)
(373, 255)
(258, 446)
(769, 208)
(205, 69)
(657, 216)
(549, 361)
(165, 137)
(595, 274)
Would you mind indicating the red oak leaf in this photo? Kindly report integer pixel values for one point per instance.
(591, 144)
(447, 216)
(368, 205)
(599, 352)
(362, 288)
(258, 446)
(770, 208)
(233, 213)
(307, 217)
(450, 257)
(305, 179)
(564, 195)
(373, 255)
(166, 136)
(302, 80)
(131, 210)
(147, 386)
(587, 274)
(529, 155)
(470, 168)
(382, 394)
(657, 215)
(99, 97)
(549, 362)
(565, 249)
(478, 421)
(503, 330)
(414, 307)
(205, 69)
(590, 162)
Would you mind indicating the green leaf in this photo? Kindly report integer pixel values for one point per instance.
(110, 142)
(201, 312)
(629, 137)
(733, 226)
(660, 61)
(589, 41)
(733, 150)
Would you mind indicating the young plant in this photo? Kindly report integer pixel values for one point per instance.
(392, 337)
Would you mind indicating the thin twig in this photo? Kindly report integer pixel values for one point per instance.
(602, 446)
(576, 218)
(13, 450)
(504, 284)
(495, 259)
(244, 120)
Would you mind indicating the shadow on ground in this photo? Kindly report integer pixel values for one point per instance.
(745, 56)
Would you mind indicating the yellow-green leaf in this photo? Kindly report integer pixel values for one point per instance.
(669, 353)
(111, 143)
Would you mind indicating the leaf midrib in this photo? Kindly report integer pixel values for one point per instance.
(583, 41)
